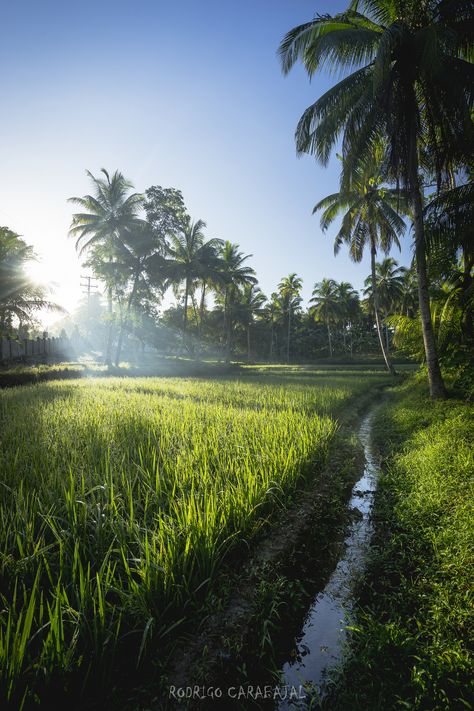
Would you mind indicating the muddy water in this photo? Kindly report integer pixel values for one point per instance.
(321, 641)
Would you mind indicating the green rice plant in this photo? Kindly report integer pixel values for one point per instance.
(122, 497)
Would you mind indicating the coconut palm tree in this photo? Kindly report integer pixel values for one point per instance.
(370, 218)
(326, 307)
(389, 278)
(349, 308)
(407, 303)
(249, 305)
(449, 221)
(234, 274)
(410, 81)
(210, 276)
(273, 314)
(105, 217)
(290, 288)
(141, 269)
(188, 254)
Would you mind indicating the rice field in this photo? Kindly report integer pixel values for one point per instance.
(120, 498)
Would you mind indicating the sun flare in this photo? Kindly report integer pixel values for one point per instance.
(44, 273)
(60, 276)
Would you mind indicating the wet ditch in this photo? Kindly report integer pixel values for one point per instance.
(320, 645)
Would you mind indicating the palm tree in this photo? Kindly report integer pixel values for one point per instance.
(389, 279)
(234, 274)
(326, 307)
(412, 85)
(407, 303)
(370, 217)
(188, 254)
(250, 305)
(349, 308)
(104, 219)
(210, 275)
(142, 269)
(273, 313)
(20, 296)
(290, 288)
(449, 221)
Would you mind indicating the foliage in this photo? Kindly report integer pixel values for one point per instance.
(165, 210)
(412, 637)
(407, 89)
(20, 297)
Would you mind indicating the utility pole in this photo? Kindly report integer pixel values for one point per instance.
(89, 286)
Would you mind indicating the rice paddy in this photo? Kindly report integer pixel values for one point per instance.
(120, 498)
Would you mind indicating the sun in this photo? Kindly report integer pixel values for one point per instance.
(59, 274)
(42, 273)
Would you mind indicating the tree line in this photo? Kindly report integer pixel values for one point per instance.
(142, 245)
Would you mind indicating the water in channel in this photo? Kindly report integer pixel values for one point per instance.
(321, 641)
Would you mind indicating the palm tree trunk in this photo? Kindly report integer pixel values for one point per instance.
(195, 311)
(288, 335)
(224, 340)
(185, 316)
(108, 348)
(201, 306)
(437, 389)
(248, 343)
(227, 326)
(271, 341)
(375, 297)
(228, 349)
(329, 338)
(125, 321)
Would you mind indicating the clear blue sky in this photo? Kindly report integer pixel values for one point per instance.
(186, 94)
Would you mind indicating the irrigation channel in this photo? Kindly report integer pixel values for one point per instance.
(321, 642)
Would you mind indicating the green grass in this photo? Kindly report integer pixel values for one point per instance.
(413, 642)
(121, 498)
(12, 375)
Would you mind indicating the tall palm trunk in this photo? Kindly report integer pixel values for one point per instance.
(248, 343)
(125, 321)
(228, 348)
(329, 338)
(227, 325)
(437, 389)
(108, 348)
(185, 315)
(201, 305)
(375, 296)
(288, 335)
(195, 311)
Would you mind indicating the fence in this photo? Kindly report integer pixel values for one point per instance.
(23, 348)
